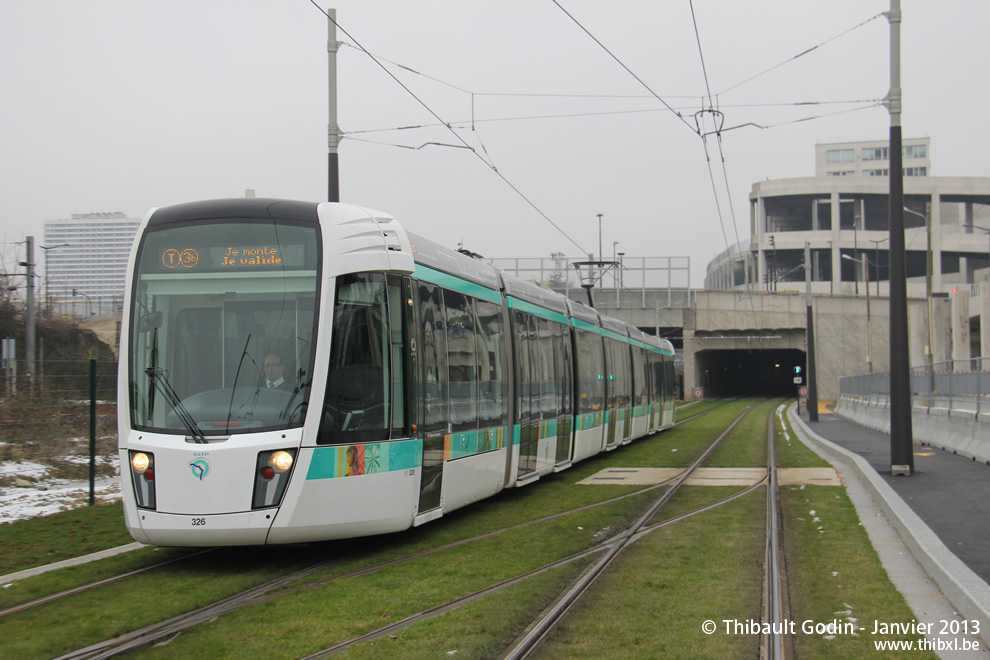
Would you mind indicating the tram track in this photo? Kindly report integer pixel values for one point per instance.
(44, 600)
(540, 629)
(774, 643)
(165, 630)
(280, 587)
(624, 537)
(51, 598)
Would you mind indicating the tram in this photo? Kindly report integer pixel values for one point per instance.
(294, 372)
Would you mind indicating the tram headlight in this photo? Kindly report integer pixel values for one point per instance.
(281, 461)
(140, 462)
(143, 478)
(272, 473)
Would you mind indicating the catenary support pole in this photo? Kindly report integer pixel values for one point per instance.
(901, 433)
(812, 367)
(29, 331)
(333, 164)
(92, 432)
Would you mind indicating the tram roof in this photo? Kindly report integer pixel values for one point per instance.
(215, 209)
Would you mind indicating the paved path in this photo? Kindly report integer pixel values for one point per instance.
(950, 493)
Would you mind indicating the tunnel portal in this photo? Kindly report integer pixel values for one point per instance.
(744, 372)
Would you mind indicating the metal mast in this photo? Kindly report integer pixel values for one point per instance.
(333, 166)
(901, 433)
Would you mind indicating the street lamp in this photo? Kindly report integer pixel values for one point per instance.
(876, 259)
(869, 321)
(48, 295)
(600, 257)
(89, 300)
(615, 275)
(928, 289)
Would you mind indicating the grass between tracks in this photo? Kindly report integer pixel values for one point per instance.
(834, 573)
(332, 612)
(652, 604)
(671, 562)
(45, 540)
(791, 452)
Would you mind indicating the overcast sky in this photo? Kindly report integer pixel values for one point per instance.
(124, 105)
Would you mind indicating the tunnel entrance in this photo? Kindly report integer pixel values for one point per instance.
(749, 372)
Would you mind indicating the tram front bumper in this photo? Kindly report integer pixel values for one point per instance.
(171, 529)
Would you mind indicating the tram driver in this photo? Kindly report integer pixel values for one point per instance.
(275, 373)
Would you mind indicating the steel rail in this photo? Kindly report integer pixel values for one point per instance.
(774, 645)
(463, 600)
(98, 583)
(279, 586)
(541, 628)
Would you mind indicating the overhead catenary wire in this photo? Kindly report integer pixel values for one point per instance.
(717, 115)
(586, 95)
(801, 54)
(871, 103)
(708, 107)
(623, 65)
(488, 163)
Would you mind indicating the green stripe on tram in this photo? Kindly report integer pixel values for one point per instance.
(615, 335)
(453, 283)
(584, 325)
(536, 310)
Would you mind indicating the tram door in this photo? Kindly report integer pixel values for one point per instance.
(563, 357)
(528, 390)
(432, 352)
(611, 396)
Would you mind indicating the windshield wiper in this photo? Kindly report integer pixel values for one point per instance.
(158, 380)
(237, 375)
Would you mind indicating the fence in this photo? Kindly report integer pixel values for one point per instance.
(61, 427)
(956, 385)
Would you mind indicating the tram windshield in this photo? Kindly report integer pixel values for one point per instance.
(223, 327)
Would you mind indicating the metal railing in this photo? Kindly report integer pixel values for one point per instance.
(960, 385)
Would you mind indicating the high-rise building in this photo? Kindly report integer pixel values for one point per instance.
(842, 214)
(871, 158)
(86, 258)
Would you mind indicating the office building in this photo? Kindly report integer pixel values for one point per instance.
(85, 259)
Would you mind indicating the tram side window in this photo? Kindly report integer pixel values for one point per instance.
(625, 355)
(355, 406)
(668, 367)
(548, 376)
(656, 382)
(522, 361)
(397, 348)
(591, 383)
(641, 380)
(434, 357)
(618, 370)
(493, 387)
(462, 367)
(565, 377)
(610, 377)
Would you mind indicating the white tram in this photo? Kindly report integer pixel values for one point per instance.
(298, 371)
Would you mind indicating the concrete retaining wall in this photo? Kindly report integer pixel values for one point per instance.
(962, 432)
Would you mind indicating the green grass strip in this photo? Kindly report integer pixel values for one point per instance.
(48, 539)
(791, 452)
(654, 601)
(834, 573)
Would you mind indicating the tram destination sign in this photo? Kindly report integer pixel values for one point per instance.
(213, 258)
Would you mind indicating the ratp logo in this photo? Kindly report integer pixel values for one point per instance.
(200, 468)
